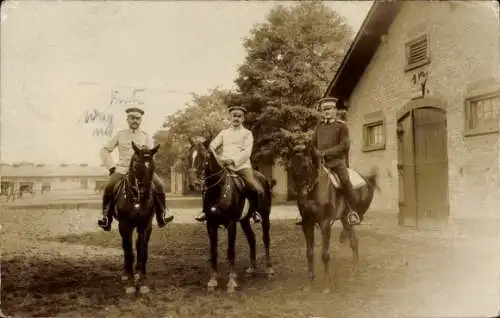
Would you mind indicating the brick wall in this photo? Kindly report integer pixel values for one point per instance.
(464, 49)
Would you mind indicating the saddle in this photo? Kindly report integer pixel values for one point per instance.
(356, 179)
(238, 181)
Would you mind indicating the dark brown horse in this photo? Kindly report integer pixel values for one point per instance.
(224, 204)
(134, 209)
(320, 201)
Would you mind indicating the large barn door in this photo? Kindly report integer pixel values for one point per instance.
(422, 166)
(431, 162)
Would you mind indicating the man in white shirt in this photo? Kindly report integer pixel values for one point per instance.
(237, 144)
(123, 141)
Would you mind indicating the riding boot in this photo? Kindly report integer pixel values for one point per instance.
(352, 216)
(257, 218)
(163, 215)
(107, 215)
(201, 217)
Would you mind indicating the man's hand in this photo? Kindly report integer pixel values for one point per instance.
(318, 153)
(112, 170)
(227, 162)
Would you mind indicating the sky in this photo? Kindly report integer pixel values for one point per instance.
(61, 61)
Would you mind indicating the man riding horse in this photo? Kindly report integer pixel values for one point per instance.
(331, 142)
(123, 141)
(236, 143)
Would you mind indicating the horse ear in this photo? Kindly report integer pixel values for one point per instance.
(134, 146)
(154, 150)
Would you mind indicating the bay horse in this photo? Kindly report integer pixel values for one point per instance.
(134, 209)
(321, 201)
(224, 200)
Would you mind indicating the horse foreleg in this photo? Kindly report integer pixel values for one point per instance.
(326, 232)
(128, 253)
(250, 235)
(213, 237)
(308, 229)
(231, 256)
(143, 236)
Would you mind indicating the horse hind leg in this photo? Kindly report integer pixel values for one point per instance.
(250, 235)
(349, 232)
(266, 238)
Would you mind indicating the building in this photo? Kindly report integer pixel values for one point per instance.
(421, 84)
(39, 179)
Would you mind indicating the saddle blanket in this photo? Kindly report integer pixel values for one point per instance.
(356, 179)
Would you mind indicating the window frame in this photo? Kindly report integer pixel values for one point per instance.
(427, 60)
(373, 120)
(490, 128)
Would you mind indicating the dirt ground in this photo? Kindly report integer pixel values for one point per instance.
(58, 263)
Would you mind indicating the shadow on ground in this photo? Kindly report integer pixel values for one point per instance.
(58, 284)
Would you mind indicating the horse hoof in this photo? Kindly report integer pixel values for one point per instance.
(211, 285)
(250, 271)
(144, 290)
(129, 290)
(270, 272)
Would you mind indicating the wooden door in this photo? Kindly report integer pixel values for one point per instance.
(406, 172)
(422, 166)
(431, 163)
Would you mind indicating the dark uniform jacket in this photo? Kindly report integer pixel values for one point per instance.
(332, 138)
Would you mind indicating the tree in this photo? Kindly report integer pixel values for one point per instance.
(204, 116)
(290, 60)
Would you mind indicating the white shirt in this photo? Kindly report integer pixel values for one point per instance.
(123, 141)
(237, 144)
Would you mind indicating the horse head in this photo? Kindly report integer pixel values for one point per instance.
(201, 162)
(302, 159)
(142, 164)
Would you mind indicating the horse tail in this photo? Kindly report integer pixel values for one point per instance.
(372, 178)
(272, 183)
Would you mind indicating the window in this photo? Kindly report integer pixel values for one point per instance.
(374, 132)
(482, 114)
(84, 184)
(417, 53)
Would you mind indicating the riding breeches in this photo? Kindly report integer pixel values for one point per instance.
(251, 181)
(343, 174)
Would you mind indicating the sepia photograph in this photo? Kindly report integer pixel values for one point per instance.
(230, 158)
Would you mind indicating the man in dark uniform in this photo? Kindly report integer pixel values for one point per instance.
(331, 140)
(123, 141)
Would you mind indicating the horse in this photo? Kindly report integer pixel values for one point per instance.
(224, 200)
(321, 201)
(134, 209)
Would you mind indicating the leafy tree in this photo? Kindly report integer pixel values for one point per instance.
(204, 116)
(290, 60)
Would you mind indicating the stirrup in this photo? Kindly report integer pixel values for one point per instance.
(353, 218)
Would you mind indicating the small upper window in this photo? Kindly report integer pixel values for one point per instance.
(417, 53)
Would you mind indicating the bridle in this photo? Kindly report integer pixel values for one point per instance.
(132, 189)
(202, 179)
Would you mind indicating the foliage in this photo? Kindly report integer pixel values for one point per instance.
(204, 116)
(290, 60)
